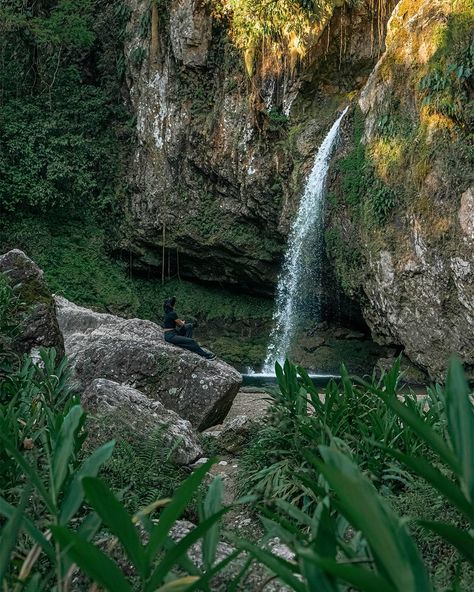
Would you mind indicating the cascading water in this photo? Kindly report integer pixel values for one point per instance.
(299, 283)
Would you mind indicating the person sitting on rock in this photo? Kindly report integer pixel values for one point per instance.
(180, 333)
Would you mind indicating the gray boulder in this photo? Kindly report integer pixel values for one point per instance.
(36, 312)
(234, 433)
(113, 403)
(133, 352)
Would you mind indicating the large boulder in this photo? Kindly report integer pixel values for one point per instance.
(133, 352)
(113, 403)
(36, 312)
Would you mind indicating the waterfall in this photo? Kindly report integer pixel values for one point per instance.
(299, 283)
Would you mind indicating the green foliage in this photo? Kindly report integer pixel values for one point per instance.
(382, 201)
(362, 189)
(419, 501)
(28, 394)
(201, 302)
(352, 524)
(74, 256)
(277, 119)
(254, 20)
(447, 86)
(137, 55)
(9, 302)
(348, 260)
(301, 419)
(59, 126)
(140, 466)
(42, 461)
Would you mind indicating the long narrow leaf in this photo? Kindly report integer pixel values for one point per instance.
(29, 472)
(9, 536)
(422, 429)
(393, 549)
(64, 446)
(181, 548)
(435, 478)
(278, 566)
(89, 468)
(204, 580)
(8, 510)
(173, 511)
(360, 578)
(179, 585)
(116, 518)
(91, 560)
(212, 504)
(461, 425)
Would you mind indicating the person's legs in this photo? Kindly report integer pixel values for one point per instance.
(188, 329)
(187, 343)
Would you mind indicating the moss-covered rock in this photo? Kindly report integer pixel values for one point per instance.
(34, 311)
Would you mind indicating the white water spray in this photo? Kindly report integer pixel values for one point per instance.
(299, 283)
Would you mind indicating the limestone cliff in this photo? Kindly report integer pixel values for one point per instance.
(402, 203)
(221, 152)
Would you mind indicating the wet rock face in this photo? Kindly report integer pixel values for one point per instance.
(220, 160)
(133, 353)
(417, 273)
(36, 314)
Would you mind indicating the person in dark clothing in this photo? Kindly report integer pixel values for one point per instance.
(180, 333)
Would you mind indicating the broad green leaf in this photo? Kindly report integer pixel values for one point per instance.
(9, 535)
(86, 530)
(173, 555)
(460, 539)
(281, 568)
(325, 542)
(116, 518)
(89, 468)
(393, 549)
(64, 447)
(91, 560)
(461, 424)
(173, 511)
(281, 379)
(317, 580)
(29, 472)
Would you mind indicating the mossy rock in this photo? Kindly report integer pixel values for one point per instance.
(34, 312)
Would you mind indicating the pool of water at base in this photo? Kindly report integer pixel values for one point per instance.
(262, 380)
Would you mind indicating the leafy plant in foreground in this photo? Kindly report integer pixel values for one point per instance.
(348, 413)
(323, 540)
(44, 544)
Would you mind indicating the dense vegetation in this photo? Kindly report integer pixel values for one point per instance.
(64, 130)
(61, 523)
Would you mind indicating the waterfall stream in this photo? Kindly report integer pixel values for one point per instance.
(298, 292)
